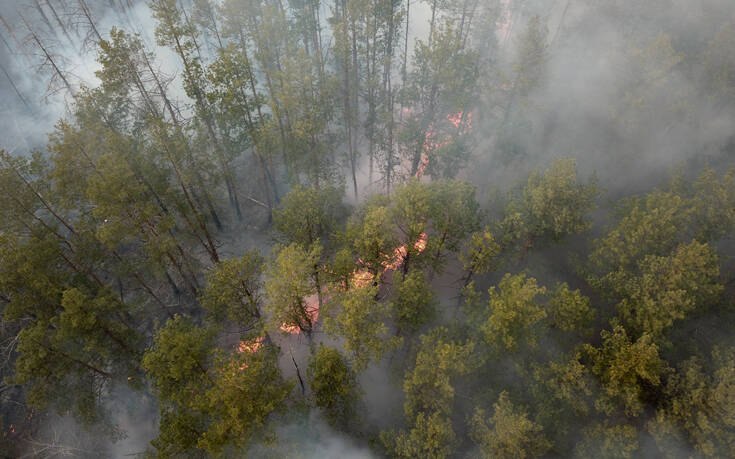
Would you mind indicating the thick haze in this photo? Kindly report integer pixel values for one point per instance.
(592, 48)
(623, 92)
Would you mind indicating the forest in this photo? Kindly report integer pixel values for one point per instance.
(367, 228)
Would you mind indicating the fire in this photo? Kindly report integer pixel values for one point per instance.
(461, 121)
(432, 142)
(251, 346)
(505, 20)
(362, 278)
(312, 310)
(399, 255)
(420, 245)
(423, 164)
(455, 119)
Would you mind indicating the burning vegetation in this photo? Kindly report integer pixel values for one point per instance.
(312, 230)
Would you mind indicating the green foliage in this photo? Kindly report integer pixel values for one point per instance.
(362, 321)
(333, 386)
(454, 214)
(430, 436)
(428, 386)
(625, 368)
(509, 433)
(411, 207)
(443, 82)
(289, 280)
(713, 204)
(556, 203)
(371, 234)
(717, 60)
(177, 360)
(562, 385)
(233, 293)
(530, 65)
(117, 225)
(481, 253)
(413, 302)
(669, 288)
(209, 400)
(569, 310)
(609, 441)
(700, 406)
(245, 391)
(73, 339)
(512, 316)
(309, 215)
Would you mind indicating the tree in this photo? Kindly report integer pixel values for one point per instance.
(556, 203)
(657, 223)
(512, 317)
(562, 391)
(333, 386)
(237, 108)
(233, 293)
(625, 368)
(569, 310)
(565, 380)
(362, 321)
(428, 385)
(209, 400)
(371, 234)
(181, 36)
(309, 216)
(669, 288)
(413, 302)
(410, 210)
(508, 433)
(712, 201)
(74, 338)
(529, 67)
(480, 254)
(720, 74)
(454, 215)
(607, 440)
(247, 391)
(290, 279)
(649, 225)
(177, 361)
(648, 85)
(430, 436)
(442, 84)
(699, 406)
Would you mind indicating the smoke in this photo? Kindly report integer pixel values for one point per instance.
(32, 99)
(623, 90)
(130, 426)
(310, 438)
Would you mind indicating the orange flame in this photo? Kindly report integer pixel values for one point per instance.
(399, 255)
(420, 245)
(251, 346)
(423, 164)
(460, 120)
(505, 20)
(312, 311)
(362, 278)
